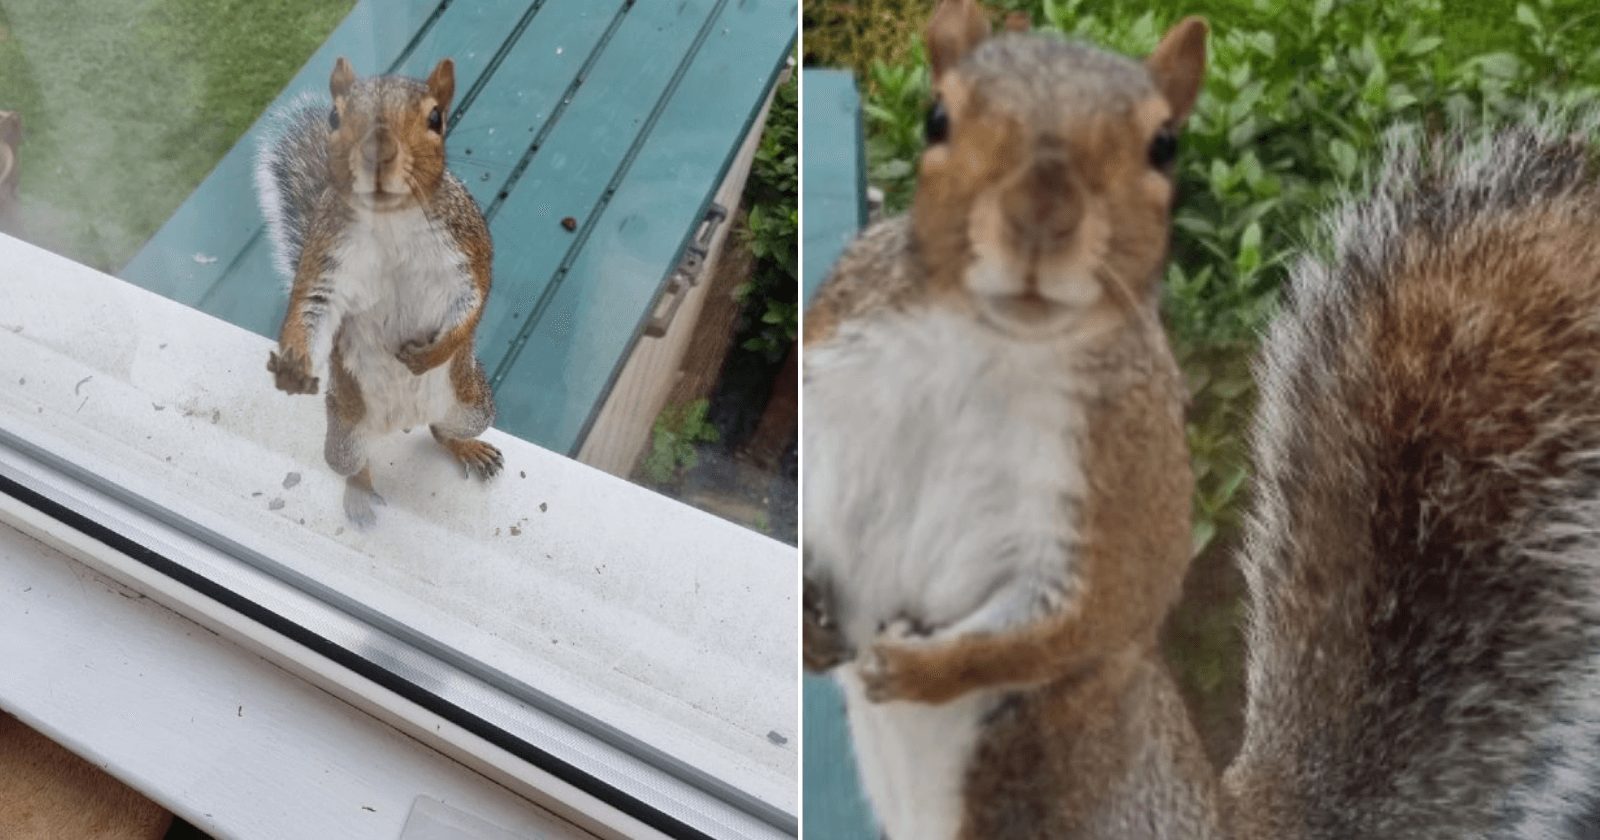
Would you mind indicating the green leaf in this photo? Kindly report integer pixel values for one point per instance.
(1528, 17)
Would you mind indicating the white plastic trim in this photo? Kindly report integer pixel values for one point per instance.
(216, 734)
(663, 625)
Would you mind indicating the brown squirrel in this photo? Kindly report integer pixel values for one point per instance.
(997, 487)
(1423, 553)
(390, 263)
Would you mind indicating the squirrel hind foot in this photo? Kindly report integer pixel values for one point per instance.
(477, 457)
(359, 499)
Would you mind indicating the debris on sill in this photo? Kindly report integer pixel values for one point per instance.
(76, 389)
(275, 504)
(775, 738)
(290, 480)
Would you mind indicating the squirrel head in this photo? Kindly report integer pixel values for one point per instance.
(386, 135)
(1046, 188)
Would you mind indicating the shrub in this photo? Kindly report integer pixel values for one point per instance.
(1297, 98)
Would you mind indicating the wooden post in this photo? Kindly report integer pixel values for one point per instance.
(10, 139)
(46, 791)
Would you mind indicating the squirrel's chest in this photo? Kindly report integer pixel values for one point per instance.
(400, 273)
(942, 459)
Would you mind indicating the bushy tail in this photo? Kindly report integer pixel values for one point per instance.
(1424, 554)
(291, 173)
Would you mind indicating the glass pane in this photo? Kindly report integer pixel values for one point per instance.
(633, 166)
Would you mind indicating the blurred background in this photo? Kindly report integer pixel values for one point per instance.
(1297, 98)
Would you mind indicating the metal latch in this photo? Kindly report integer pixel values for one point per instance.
(687, 275)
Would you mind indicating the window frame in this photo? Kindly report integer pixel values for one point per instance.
(210, 575)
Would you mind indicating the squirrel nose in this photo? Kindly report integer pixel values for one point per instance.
(379, 147)
(1045, 204)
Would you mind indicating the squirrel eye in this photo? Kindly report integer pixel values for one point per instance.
(937, 127)
(333, 119)
(1164, 148)
(435, 121)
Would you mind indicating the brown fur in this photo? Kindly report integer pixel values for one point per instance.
(383, 126)
(1422, 567)
(1134, 550)
(1092, 739)
(47, 793)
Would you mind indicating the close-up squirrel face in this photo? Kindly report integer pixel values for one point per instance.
(1046, 187)
(386, 135)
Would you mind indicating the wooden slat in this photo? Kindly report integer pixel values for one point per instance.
(835, 206)
(569, 172)
(557, 369)
(622, 429)
(219, 219)
(834, 210)
(250, 293)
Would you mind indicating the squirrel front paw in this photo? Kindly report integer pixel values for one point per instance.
(291, 371)
(903, 664)
(414, 355)
(822, 642)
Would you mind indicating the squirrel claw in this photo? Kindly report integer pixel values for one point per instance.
(823, 644)
(477, 457)
(291, 372)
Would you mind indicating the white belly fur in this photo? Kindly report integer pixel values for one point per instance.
(938, 458)
(401, 279)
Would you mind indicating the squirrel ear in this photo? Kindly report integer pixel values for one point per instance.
(343, 77)
(957, 26)
(442, 84)
(1178, 65)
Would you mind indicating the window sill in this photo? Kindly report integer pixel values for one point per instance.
(619, 608)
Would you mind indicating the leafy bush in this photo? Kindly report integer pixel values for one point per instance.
(1297, 98)
(772, 228)
(677, 431)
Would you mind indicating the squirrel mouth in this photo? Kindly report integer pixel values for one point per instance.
(1029, 309)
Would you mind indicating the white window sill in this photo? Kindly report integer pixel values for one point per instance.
(665, 626)
(221, 737)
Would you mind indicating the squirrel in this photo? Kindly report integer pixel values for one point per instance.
(389, 262)
(1422, 550)
(997, 481)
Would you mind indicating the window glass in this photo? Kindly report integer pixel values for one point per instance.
(186, 187)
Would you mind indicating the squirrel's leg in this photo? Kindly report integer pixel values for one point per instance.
(1026, 632)
(316, 311)
(471, 414)
(345, 447)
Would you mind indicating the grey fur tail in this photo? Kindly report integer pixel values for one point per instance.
(1423, 557)
(291, 173)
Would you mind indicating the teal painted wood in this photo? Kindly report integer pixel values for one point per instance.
(493, 35)
(566, 349)
(622, 115)
(836, 172)
(210, 230)
(834, 210)
(567, 175)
